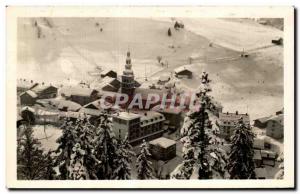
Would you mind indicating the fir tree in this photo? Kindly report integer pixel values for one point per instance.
(122, 170)
(30, 157)
(66, 143)
(200, 144)
(50, 173)
(144, 168)
(241, 164)
(105, 148)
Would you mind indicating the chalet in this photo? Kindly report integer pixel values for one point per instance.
(163, 149)
(279, 112)
(183, 72)
(45, 91)
(227, 123)
(28, 114)
(109, 73)
(28, 98)
(268, 157)
(109, 84)
(274, 126)
(163, 79)
(79, 95)
(24, 85)
(261, 122)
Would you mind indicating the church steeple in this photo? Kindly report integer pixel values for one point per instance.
(128, 83)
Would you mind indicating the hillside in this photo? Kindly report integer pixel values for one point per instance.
(70, 48)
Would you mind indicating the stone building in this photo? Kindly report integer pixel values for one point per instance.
(163, 148)
(227, 123)
(147, 125)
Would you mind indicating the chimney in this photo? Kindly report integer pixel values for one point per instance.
(227, 113)
(236, 112)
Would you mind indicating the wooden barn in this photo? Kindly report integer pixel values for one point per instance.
(45, 91)
(28, 98)
(109, 73)
(79, 95)
(183, 72)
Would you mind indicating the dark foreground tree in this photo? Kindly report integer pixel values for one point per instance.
(31, 161)
(144, 168)
(241, 164)
(122, 170)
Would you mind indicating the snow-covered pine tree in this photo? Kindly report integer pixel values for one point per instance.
(280, 173)
(50, 173)
(122, 170)
(143, 164)
(30, 157)
(200, 144)
(77, 169)
(105, 148)
(64, 150)
(240, 162)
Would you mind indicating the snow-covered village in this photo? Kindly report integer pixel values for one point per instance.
(150, 98)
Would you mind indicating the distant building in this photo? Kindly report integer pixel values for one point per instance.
(45, 91)
(163, 148)
(109, 84)
(275, 126)
(227, 123)
(137, 127)
(172, 116)
(109, 73)
(259, 143)
(80, 95)
(163, 79)
(279, 112)
(28, 98)
(268, 157)
(261, 122)
(183, 72)
(24, 85)
(28, 114)
(257, 158)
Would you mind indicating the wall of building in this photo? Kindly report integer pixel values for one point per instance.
(274, 129)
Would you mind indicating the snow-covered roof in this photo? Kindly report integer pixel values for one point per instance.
(233, 118)
(76, 91)
(164, 78)
(277, 118)
(30, 93)
(151, 117)
(263, 119)
(71, 106)
(169, 110)
(163, 142)
(90, 111)
(27, 108)
(183, 68)
(46, 113)
(39, 88)
(97, 104)
(126, 115)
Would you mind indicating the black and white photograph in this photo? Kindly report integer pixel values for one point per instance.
(166, 96)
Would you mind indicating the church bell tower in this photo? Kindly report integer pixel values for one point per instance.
(128, 83)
